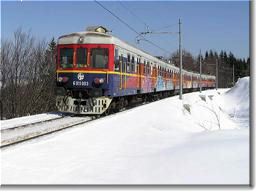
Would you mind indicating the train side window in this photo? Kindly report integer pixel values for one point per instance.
(146, 68)
(133, 64)
(117, 60)
(124, 64)
(128, 67)
(81, 57)
(133, 59)
(118, 63)
(128, 58)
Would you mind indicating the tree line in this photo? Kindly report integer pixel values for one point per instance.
(210, 59)
(27, 75)
(27, 72)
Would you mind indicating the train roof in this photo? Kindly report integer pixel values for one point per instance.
(92, 37)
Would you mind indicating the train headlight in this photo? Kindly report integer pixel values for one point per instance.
(99, 80)
(63, 79)
(60, 79)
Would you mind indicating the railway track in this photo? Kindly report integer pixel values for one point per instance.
(29, 124)
(14, 135)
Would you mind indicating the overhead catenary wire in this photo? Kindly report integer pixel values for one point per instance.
(133, 14)
(131, 28)
(165, 27)
(143, 22)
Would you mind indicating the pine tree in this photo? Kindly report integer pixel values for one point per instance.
(211, 54)
(206, 55)
(52, 45)
(49, 75)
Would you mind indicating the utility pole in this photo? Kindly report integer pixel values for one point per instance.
(180, 61)
(217, 74)
(180, 53)
(200, 71)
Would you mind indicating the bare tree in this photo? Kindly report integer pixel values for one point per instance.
(27, 76)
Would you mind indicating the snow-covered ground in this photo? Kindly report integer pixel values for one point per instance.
(200, 140)
(21, 121)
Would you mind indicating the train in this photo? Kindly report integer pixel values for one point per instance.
(98, 73)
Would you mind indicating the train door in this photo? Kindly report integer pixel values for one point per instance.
(124, 69)
(123, 66)
(142, 70)
(120, 70)
(138, 76)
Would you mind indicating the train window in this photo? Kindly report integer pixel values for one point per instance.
(117, 63)
(81, 57)
(145, 68)
(66, 57)
(128, 67)
(133, 67)
(124, 64)
(138, 61)
(128, 57)
(148, 70)
(99, 57)
(117, 60)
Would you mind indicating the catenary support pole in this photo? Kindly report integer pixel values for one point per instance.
(233, 74)
(217, 74)
(180, 65)
(200, 71)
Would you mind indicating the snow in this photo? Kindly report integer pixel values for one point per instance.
(235, 102)
(20, 121)
(13, 135)
(194, 141)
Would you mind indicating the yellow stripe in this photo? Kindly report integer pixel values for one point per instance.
(103, 72)
(80, 71)
(97, 72)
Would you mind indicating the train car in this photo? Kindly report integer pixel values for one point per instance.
(98, 73)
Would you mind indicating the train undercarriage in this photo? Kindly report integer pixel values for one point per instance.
(107, 105)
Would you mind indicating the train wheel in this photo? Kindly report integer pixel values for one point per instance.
(111, 109)
(107, 112)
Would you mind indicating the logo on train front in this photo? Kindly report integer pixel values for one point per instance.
(80, 76)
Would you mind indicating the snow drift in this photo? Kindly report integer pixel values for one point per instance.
(236, 101)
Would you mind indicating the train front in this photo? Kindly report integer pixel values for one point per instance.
(83, 63)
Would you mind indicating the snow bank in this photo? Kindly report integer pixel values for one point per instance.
(235, 102)
(166, 142)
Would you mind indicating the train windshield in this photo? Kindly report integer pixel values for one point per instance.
(99, 57)
(81, 57)
(66, 57)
